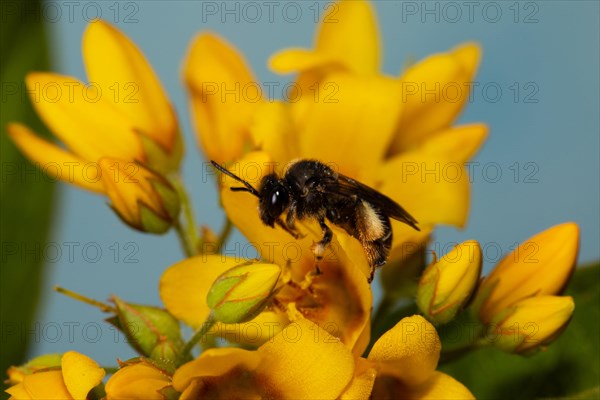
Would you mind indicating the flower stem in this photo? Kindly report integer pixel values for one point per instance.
(186, 245)
(186, 230)
(459, 352)
(224, 235)
(198, 336)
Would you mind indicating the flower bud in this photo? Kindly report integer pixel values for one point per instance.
(447, 284)
(152, 331)
(163, 159)
(138, 379)
(241, 293)
(542, 265)
(74, 378)
(17, 374)
(530, 323)
(142, 198)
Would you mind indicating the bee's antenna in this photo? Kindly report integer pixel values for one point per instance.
(248, 187)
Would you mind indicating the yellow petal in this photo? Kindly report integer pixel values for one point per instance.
(54, 161)
(46, 386)
(461, 142)
(541, 265)
(438, 386)
(347, 35)
(349, 32)
(351, 123)
(215, 362)
(116, 64)
(409, 351)
(305, 362)
(294, 60)
(434, 92)
(138, 381)
(82, 117)
(255, 332)
(223, 95)
(362, 384)
(433, 189)
(273, 132)
(18, 392)
(183, 286)
(80, 374)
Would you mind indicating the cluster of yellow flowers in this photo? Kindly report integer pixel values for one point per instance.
(291, 334)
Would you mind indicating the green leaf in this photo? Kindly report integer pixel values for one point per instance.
(25, 193)
(570, 368)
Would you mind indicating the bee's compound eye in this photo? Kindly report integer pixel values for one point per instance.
(279, 201)
(274, 197)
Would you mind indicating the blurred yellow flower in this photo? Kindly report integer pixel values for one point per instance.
(138, 380)
(542, 265)
(77, 375)
(531, 323)
(142, 198)
(305, 361)
(122, 113)
(402, 364)
(447, 284)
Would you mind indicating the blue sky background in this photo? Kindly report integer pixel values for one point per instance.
(550, 47)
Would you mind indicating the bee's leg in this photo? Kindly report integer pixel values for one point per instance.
(320, 246)
(290, 221)
(292, 231)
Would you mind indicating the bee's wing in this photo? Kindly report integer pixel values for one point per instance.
(346, 186)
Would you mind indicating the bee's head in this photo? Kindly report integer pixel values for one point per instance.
(274, 199)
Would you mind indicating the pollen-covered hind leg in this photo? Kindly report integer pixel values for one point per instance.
(377, 253)
(319, 247)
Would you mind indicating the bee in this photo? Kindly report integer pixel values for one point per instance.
(311, 189)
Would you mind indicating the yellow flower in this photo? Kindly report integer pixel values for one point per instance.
(405, 359)
(447, 284)
(301, 362)
(77, 375)
(142, 198)
(348, 114)
(339, 300)
(542, 265)
(531, 323)
(138, 380)
(123, 113)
